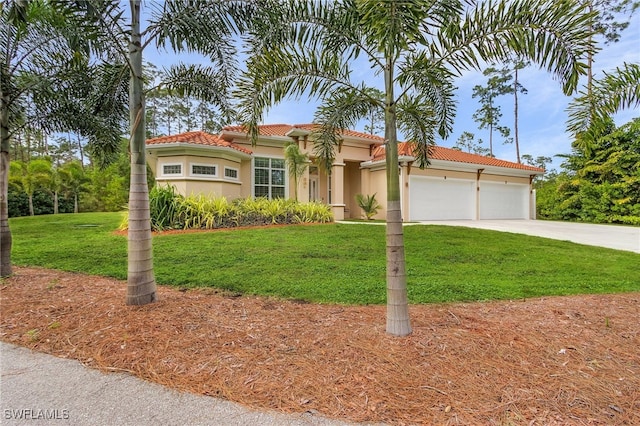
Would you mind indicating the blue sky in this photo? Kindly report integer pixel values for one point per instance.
(542, 110)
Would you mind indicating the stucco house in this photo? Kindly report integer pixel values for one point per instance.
(457, 185)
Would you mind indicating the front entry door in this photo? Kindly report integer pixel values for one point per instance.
(313, 188)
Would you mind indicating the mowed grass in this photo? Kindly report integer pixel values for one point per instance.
(334, 263)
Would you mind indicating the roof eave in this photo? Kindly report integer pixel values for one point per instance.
(458, 166)
(499, 170)
(297, 132)
(184, 145)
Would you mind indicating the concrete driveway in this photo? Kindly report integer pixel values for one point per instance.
(610, 236)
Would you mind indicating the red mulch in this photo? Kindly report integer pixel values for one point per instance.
(557, 360)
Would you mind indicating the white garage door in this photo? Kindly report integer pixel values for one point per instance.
(503, 201)
(441, 199)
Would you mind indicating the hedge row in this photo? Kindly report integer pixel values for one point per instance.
(170, 210)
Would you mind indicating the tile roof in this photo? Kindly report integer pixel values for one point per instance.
(404, 148)
(265, 129)
(454, 155)
(198, 138)
(345, 132)
(283, 129)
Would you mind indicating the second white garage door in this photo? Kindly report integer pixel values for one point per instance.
(504, 201)
(441, 199)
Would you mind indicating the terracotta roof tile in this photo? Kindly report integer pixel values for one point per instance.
(448, 154)
(346, 132)
(197, 138)
(283, 129)
(265, 129)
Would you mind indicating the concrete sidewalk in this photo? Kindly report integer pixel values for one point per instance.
(40, 389)
(611, 236)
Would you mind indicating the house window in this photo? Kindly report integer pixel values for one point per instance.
(230, 173)
(269, 178)
(172, 169)
(203, 170)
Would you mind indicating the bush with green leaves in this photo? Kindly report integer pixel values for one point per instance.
(164, 205)
(601, 180)
(368, 204)
(18, 203)
(170, 210)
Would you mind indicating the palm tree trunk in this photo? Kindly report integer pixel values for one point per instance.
(31, 211)
(75, 203)
(55, 202)
(398, 322)
(141, 285)
(5, 232)
(515, 113)
(81, 151)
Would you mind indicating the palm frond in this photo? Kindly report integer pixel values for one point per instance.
(418, 121)
(187, 25)
(284, 73)
(617, 90)
(342, 109)
(202, 82)
(434, 84)
(551, 33)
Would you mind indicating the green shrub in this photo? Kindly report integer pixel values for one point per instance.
(368, 204)
(170, 210)
(312, 212)
(18, 203)
(164, 205)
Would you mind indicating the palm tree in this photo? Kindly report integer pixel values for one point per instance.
(297, 163)
(73, 180)
(417, 48)
(39, 48)
(31, 176)
(590, 112)
(206, 27)
(368, 204)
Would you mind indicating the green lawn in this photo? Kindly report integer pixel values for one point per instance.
(336, 262)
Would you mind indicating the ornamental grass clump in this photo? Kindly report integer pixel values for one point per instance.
(164, 206)
(170, 210)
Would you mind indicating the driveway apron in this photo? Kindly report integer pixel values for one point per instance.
(611, 236)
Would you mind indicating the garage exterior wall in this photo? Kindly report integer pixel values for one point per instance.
(437, 194)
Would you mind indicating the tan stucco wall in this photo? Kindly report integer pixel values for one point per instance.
(179, 185)
(214, 186)
(454, 174)
(504, 179)
(378, 186)
(245, 178)
(211, 189)
(352, 186)
(350, 152)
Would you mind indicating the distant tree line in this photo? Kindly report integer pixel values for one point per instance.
(599, 183)
(51, 177)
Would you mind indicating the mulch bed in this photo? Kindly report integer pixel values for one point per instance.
(557, 360)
